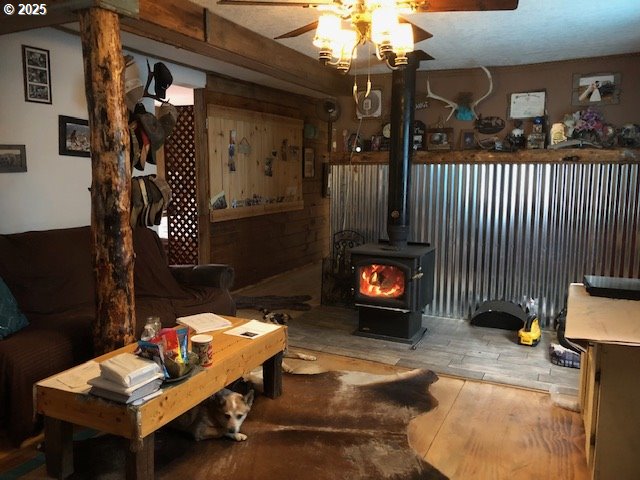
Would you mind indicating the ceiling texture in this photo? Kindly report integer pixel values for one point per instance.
(537, 31)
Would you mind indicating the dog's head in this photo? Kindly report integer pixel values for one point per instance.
(274, 317)
(231, 409)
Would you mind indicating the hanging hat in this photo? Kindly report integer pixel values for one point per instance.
(156, 201)
(133, 88)
(136, 202)
(164, 188)
(163, 79)
(167, 115)
(143, 146)
(155, 133)
(134, 145)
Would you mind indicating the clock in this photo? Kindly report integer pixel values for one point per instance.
(386, 130)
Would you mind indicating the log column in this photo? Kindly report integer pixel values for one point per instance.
(110, 179)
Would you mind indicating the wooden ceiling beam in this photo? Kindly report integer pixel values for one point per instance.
(228, 42)
(59, 12)
(194, 28)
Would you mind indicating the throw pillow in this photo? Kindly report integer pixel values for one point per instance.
(11, 318)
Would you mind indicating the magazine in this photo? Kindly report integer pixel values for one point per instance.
(253, 329)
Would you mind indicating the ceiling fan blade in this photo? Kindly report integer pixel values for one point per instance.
(422, 55)
(269, 3)
(464, 5)
(299, 31)
(418, 33)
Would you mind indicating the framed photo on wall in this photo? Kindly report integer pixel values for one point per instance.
(527, 104)
(37, 74)
(308, 170)
(595, 89)
(13, 158)
(73, 136)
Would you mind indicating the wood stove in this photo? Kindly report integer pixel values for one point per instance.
(393, 281)
(392, 288)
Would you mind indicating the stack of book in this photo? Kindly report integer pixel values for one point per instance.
(126, 378)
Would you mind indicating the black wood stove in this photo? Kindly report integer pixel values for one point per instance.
(393, 281)
(392, 288)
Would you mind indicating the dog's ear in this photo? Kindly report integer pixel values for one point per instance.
(218, 398)
(248, 398)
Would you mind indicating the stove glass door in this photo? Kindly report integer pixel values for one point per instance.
(381, 281)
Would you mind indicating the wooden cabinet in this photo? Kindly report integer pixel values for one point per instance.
(609, 382)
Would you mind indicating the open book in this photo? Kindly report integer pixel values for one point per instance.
(204, 322)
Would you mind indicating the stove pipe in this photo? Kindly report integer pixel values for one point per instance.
(401, 152)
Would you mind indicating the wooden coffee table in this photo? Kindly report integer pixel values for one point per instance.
(64, 401)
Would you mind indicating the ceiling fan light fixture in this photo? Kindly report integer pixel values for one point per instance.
(329, 27)
(370, 20)
(384, 21)
(402, 41)
(344, 49)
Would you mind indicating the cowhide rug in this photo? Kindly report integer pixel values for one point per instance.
(333, 425)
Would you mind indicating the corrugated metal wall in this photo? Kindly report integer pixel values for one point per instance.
(503, 231)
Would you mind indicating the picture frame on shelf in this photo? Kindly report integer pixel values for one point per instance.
(527, 104)
(439, 138)
(73, 137)
(13, 158)
(468, 140)
(37, 75)
(595, 89)
(308, 168)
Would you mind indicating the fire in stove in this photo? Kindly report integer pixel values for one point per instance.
(382, 281)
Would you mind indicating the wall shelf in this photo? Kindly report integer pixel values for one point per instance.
(225, 214)
(566, 155)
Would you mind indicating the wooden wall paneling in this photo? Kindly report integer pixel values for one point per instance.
(264, 133)
(262, 246)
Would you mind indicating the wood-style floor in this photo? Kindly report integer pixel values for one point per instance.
(451, 346)
(480, 429)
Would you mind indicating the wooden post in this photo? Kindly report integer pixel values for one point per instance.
(110, 179)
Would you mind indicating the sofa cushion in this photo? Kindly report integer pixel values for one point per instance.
(11, 318)
(48, 271)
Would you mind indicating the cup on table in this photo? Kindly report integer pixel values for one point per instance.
(202, 345)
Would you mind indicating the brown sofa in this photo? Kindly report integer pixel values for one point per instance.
(50, 274)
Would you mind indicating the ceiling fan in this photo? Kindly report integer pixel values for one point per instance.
(354, 10)
(377, 21)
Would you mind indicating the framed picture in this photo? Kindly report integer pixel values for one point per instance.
(439, 138)
(467, 140)
(595, 89)
(73, 137)
(37, 74)
(308, 169)
(527, 104)
(13, 158)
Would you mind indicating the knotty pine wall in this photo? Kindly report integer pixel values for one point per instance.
(266, 245)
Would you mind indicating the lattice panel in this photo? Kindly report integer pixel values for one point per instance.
(180, 164)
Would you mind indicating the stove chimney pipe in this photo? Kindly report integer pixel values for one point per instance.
(401, 151)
